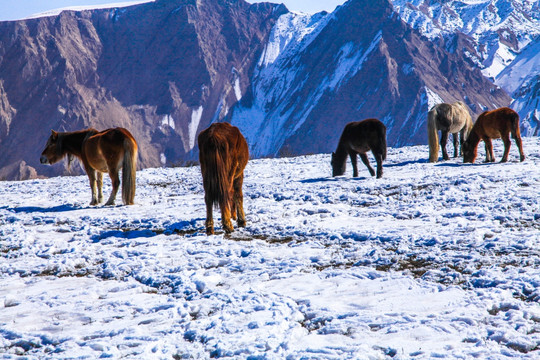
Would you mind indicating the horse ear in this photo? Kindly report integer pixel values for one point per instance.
(54, 134)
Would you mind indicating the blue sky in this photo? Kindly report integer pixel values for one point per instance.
(18, 9)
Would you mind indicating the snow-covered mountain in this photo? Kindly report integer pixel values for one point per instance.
(497, 29)
(322, 71)
(166, 69)
(522, 80)
(501, 37)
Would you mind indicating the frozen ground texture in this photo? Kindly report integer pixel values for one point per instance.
(432, 261)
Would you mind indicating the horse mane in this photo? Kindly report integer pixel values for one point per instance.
(70, 144)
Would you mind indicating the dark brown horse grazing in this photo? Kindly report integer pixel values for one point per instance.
(358, 138)
(106, 151)
(223, 154)
(499, 123)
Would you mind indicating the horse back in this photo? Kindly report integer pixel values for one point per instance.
(106, 145)
(497, 123)
(365, 135)
(225, 138)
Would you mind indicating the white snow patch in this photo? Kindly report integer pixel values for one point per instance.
(162, 158)
(194, 125)
(168, 120)
(237, 89)
(432, 98)
(350, 61)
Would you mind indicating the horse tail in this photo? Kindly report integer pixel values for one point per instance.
(129, 168)
(433, 136)
(214, 156)
(383, 143)
(514, 120)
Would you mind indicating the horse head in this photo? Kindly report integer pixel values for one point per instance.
(52, 152)
(338, 167)
(469, 152)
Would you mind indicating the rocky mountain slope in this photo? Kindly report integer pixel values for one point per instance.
(163, 69)
(167, 69)
(501, 37)
(320, 72)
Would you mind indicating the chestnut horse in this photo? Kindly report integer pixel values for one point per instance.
(450, 119)
(359, 137)
(499, 123)
(106, 151)
(223, 154)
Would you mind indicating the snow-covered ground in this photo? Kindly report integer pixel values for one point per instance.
(432, 261)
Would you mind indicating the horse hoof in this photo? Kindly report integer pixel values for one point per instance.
(241, 223)
(522, 158)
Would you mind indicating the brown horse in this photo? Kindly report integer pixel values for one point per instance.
(106, 151)
(499, 123)
(359, 137)
(223, 154)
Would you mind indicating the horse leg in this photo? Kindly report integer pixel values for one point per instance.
(507, 143)
(93, 184)
(365, 160)
(520, 148)
(455, 136)
(99, 179)
(226, 218)
(354, 162)
(209, 224)
(379, 159)
(238, 201)
(444, 140)
(461, 136)
(115, 180)
(489, 150)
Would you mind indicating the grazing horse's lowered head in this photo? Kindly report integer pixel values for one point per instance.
(338, 167)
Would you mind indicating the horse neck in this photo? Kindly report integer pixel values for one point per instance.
(341, 153)
(71, 142)
(473, 138)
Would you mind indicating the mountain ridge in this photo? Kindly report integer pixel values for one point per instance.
(290, 81)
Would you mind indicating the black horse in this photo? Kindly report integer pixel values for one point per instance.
(359, 137)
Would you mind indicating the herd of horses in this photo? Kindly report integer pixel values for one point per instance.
(223, 154)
